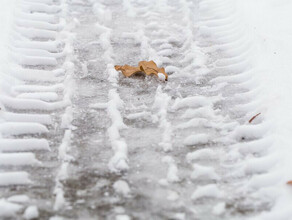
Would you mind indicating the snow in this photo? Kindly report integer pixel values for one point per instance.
(18, 159)
(161, 104)
(203, 172)
(99, 105)
(196, 139)
(14, 178)
(172, 196)
(246, 42)
(11, 145)
(122, 217)
(201, 154)
(210, 190)
(31, 212)
(56, 218)
(18, 199)
(161, 76)
(172, 173)
(8, 209)
(63, 151)
(194, 102)
(261, 34)
(139, 115)
(219, 209)
(17, 128)
(122, 187)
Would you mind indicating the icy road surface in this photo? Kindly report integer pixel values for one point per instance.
(80, 141)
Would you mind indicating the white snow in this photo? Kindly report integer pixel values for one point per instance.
(18, 199)
(256, 36)
(119, 161)
(139, 115)
(210, 190)
(201, 154)
(31, 212)
(161, 104)
(219, 209)
(122, 217)
(191, 102)
(18, 159)
(122, 187)
(161, 76)
(197, 139)
(203, 172)
(172, 173)
(14, 178)
(172, 196)
(99, 105)
(8, 209)
(56, 218)
(12, 145)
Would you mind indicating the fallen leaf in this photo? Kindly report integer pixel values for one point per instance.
(250, 121)
(146, 67)
(150, 67)
(128, 70)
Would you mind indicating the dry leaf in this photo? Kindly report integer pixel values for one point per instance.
(128, 70)
(147, 67)
(150, 67)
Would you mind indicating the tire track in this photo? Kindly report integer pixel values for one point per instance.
(30, 126)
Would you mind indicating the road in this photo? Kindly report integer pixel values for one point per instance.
(92, 144)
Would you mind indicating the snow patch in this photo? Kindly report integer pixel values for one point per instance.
(31, 212)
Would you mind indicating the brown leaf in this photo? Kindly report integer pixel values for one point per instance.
(253, 118)
(128, 70)
(150, 67)
(146, 67)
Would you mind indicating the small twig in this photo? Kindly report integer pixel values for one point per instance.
(250, 121)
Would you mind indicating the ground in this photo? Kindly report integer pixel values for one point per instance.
(81, 141)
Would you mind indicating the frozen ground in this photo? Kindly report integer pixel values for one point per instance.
(80, 141)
